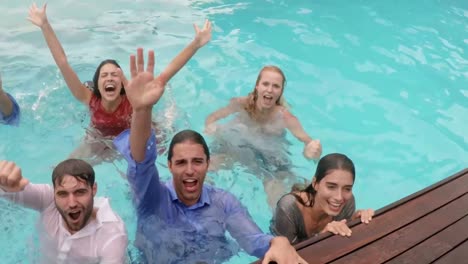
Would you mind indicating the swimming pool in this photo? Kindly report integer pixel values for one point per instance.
(385, 83)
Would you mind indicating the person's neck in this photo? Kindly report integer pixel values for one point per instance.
(263, 114)
(318, 214)
(111, 106)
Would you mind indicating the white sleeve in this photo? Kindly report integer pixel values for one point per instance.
(34, 196)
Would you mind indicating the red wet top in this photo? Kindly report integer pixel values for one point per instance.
(110, 124)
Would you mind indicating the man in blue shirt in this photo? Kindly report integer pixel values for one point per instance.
(184, 221)
(9, 109)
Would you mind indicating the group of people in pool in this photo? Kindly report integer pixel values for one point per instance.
(77, 227)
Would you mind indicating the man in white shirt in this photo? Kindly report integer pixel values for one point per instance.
(75, 226)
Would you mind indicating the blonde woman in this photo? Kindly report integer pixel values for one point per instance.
(256, 136)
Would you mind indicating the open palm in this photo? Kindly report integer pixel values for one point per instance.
(143, 90)
(37, 15)
(202, 36)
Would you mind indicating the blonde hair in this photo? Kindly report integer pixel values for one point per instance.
(251, 106)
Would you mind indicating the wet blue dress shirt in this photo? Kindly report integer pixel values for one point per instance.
(171, 232)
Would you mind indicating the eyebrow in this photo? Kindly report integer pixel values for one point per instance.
(334, 183)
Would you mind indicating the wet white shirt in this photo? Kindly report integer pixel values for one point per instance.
(102, 240)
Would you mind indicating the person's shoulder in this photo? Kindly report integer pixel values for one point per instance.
(287, 201)
(285, 112)
(221, 196)
(212, 190)
(109, 219)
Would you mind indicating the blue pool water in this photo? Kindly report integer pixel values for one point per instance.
(384, 82)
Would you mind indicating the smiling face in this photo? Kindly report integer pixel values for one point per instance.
(109, 82)
(333, 191)
(74, 201)
(269, 89)
(188, 166)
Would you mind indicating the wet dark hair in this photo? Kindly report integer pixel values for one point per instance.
(96, 77)
(333, 161)
(188, 135)
(77, 168)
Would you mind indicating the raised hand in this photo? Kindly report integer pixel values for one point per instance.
(142, 90)
(11, 179)
(204, 35)
(38, 15)
(338, 228)
(313, 150)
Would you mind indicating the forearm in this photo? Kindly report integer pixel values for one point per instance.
(179, 61)
(54, 45)
(142, 176)
(222, 113)
(34, 196)
(212, 118)
(305, 139)
(140, 132)
(301, 135)
(60, 58)
(295, 127)
(6, 105)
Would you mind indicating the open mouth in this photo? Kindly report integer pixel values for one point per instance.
(268, 99)
(335, 206)
(109, 88)
(190, 184)
(75, 215)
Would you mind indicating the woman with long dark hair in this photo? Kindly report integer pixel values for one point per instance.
(110, 110)
(323, 206)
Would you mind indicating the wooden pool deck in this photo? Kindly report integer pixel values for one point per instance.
(430, 226)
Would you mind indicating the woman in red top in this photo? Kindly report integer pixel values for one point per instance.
(109, 107)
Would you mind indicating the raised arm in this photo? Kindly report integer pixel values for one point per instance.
(202, 36)
(312, 148)
(138, 145)
(16, 188)
(39, 18)
(143, 91)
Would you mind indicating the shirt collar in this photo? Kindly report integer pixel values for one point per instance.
(104, 212)
(204, 198)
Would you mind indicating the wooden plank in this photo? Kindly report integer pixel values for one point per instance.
(462, 173)
(333, 247)
(436, 246)
(456, 255)
(399, 241)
